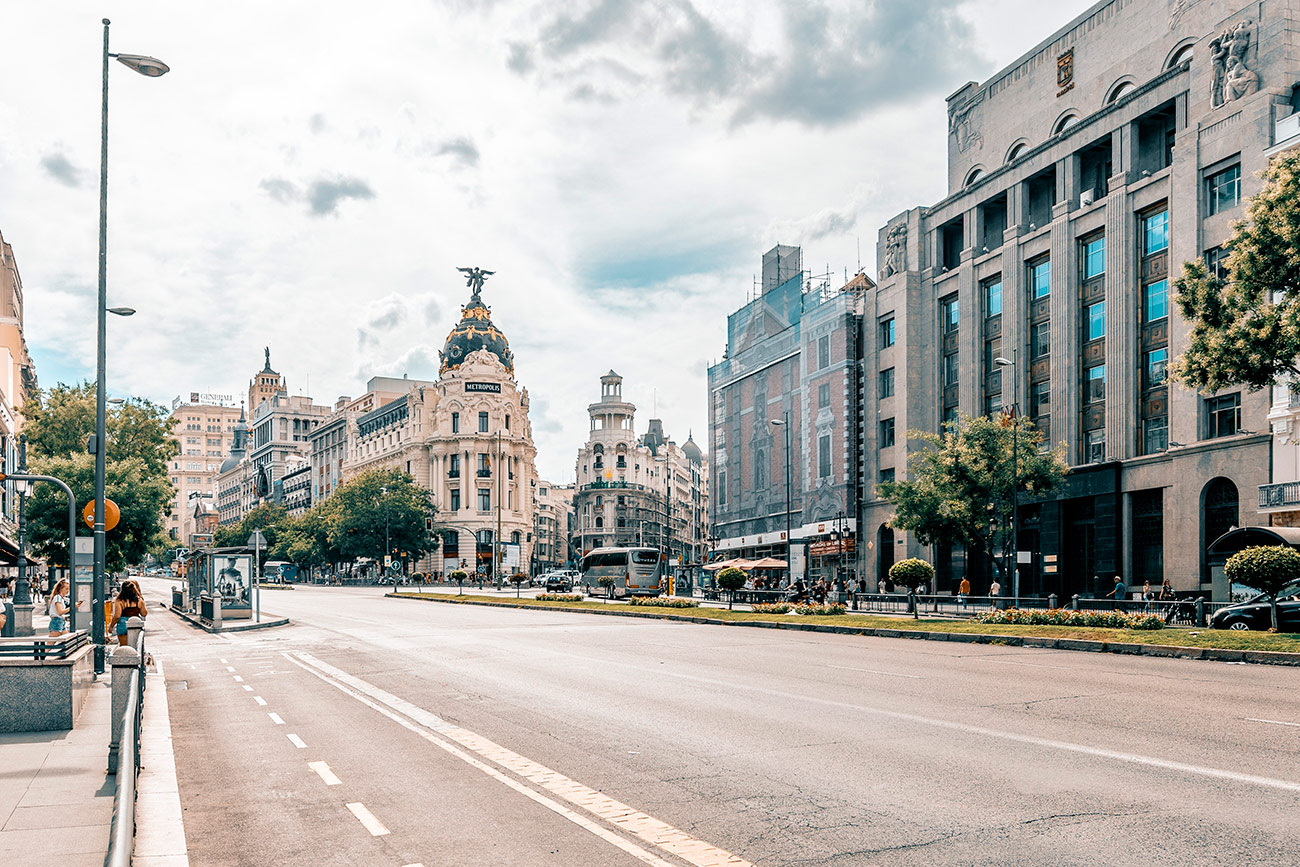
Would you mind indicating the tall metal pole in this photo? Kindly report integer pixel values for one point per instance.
(1015, 477)
(496, 537)
(101, 439)
(789, 542)
(22, 593)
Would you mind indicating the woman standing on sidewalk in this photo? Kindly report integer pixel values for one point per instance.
(59, 609)
(129, 603)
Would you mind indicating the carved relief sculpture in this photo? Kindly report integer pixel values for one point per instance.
(1231, 78)
(895, 251)
(961, 123)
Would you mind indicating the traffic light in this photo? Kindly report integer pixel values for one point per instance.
(428, 524)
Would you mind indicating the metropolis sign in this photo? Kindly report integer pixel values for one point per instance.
(488, 387)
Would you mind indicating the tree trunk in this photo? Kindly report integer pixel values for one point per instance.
(1272, 605)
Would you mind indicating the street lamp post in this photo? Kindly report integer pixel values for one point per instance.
(152, 68)
(784, 422)
(665, 540)
(1015, 471)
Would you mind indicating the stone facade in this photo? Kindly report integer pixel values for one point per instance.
(552, 526)
(204, 432)
(1081, 177)
(17, 379)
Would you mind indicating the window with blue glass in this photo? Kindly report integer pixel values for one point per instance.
(1223, 190)
(1156, 362)
(1094, 258)
(948, 315)
(1155, 233)
(993, 297)
(1094, 319)
(1155, 301)
(1040, 278)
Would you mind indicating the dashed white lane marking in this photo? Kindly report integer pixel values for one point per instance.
(275, 718)
(1276, 722)
(223, 661)
(247, 688)
(323, 771)
(229, 667)
(261, 702)
(876, 671)
(412, 865)
(297, 741)
(649, 829)
(238, 679)
(367, 818)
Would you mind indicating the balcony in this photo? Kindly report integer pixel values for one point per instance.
(1284, 496)
(484, 474)
(453, 474)
(1286, 128)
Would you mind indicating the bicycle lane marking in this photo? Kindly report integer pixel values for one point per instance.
(658, 834)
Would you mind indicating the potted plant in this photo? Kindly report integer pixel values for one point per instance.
(731, 579)
(518, 580)
(607, 581)
(459, 576)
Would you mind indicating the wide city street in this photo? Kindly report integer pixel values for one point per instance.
(376, 731)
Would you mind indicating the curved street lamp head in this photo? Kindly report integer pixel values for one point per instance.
(776, 421)
(1003, 361)
(149, 66)
(116, 401)
(122, 311)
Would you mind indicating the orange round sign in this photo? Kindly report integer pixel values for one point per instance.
(112, 514)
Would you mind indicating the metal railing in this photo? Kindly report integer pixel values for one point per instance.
(43, 647)
(1281, 494)
(121, 837)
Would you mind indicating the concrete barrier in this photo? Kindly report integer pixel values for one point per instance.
(41, 695)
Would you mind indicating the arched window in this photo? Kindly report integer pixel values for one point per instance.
(515, 538)
(974, 175)
(1181, 55)
(884, 552)
(1066, 121)
(1119, 90)
(600, 522)
(1219, 514)
(1017, 150)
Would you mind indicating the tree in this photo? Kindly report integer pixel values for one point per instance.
(912, 573)
(270, 518)
(382, 511)
(305, 540)
(139, 495)
(1246, 328)
(60, 421)
(459, 576)
(731, 579)
(1271, 568)
(960, 490)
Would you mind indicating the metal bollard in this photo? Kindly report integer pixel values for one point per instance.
(1051, 600)
(1074, 602)
(122, 659)
(1200, 610)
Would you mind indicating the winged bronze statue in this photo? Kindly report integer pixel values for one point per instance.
(475, 278)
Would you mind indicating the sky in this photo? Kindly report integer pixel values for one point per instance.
(308, 177)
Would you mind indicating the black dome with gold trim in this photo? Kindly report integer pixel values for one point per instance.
(475, 331)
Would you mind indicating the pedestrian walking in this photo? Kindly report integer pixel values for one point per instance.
(963, 592)
(1147, 595)
(1120, 591)
(129, 603)
(995, 590)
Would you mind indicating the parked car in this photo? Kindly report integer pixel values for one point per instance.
(1254, 613)
(557, 582)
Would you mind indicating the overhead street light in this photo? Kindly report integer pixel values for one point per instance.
(1002, 361)
(151, 68)
(122, 311)
(784, 421)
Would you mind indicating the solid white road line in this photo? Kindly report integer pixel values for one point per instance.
(297, 741)
(876, 671)
(367, 818)
(260, 701)
(275, 718)
(1276, 722)
(323, 771)
(657, 834)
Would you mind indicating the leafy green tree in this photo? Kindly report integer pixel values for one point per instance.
(961, 488)
(305, 540)
(1271, 568)
(141, 496)
(380, 505)
(1246, 328)
(731, 579)
(270, 518)
(59, 423)
(459, 576)
(912, 573)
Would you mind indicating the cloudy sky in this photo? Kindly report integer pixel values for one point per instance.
(309, 176)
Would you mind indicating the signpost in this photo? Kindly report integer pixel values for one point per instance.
(257, 541)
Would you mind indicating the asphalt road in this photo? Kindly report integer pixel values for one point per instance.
(479, 736)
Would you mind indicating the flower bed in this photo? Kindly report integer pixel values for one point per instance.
(772, 607)
(559, 597)
(814, 608)
(670, 602)
(1066, 617)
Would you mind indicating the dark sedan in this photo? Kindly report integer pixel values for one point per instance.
(1255, 614)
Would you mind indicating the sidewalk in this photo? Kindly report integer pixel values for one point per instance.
(56, 798)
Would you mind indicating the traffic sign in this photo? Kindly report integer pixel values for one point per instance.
(112, 514)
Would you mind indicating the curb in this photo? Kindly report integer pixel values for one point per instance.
(1166, 651)
(242, 627)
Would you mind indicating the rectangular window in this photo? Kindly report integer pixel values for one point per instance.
(484, 465)
(1155, 302)
(1040, 339)
(1094, 258)
(993, 370)
(1094, 383)
(1040, 279)
(823, 456)
(823, 395)
(886, 433)
(886, 475)
(887, 383)
(1094, 446)
(484, 499)
(455, 500)
(1155, 233)
(887, 332)
(1154, 366)
(1216, 262)
(950, 370)
(993, 404)
(993, 297)
(1223, 415)
(823, 352)
(722, 488)
(1094, 321)
(948, 315)
(453, 466)
(482, 422)
(1155, 435)
(949, 416)
(1223, 190)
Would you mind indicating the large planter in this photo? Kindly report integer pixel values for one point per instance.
(41, 695)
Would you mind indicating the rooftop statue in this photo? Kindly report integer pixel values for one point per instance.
(475, 278)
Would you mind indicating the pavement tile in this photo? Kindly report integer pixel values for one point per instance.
(65, 841)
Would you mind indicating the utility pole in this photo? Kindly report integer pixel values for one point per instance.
(497, 553)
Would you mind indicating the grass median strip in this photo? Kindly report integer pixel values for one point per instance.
(1193, 638)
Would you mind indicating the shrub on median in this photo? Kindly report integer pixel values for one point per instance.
(1066, 617)
(826, 610)
(655, 602)
(559, 597)
(772, 607)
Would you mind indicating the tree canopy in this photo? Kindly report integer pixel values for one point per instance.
(60, 421)
(1246, 328)
(960, 488)
(1270, 568)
